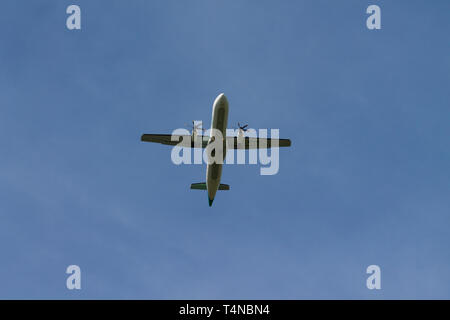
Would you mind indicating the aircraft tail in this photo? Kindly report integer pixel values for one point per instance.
(202, 186)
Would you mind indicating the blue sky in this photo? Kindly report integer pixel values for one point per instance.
(366, 180)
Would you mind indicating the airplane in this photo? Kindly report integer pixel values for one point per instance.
(219, 122)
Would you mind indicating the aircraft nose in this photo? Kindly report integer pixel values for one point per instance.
(221, 98)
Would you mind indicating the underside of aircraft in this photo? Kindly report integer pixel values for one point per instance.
(217, 133)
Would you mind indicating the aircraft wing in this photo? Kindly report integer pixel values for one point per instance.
(232, 142)
(173, 140)
(256, 143)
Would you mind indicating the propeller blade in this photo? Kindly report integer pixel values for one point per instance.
(243, 128)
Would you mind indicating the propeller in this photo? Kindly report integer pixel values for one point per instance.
(243, 128)
(195, 127)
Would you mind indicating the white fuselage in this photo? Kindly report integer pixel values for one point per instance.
(219, 122)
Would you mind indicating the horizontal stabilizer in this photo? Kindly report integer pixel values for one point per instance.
(224, 186)
(199, 186)
(202, 186)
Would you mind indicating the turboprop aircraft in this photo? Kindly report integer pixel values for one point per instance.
(218, 131)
